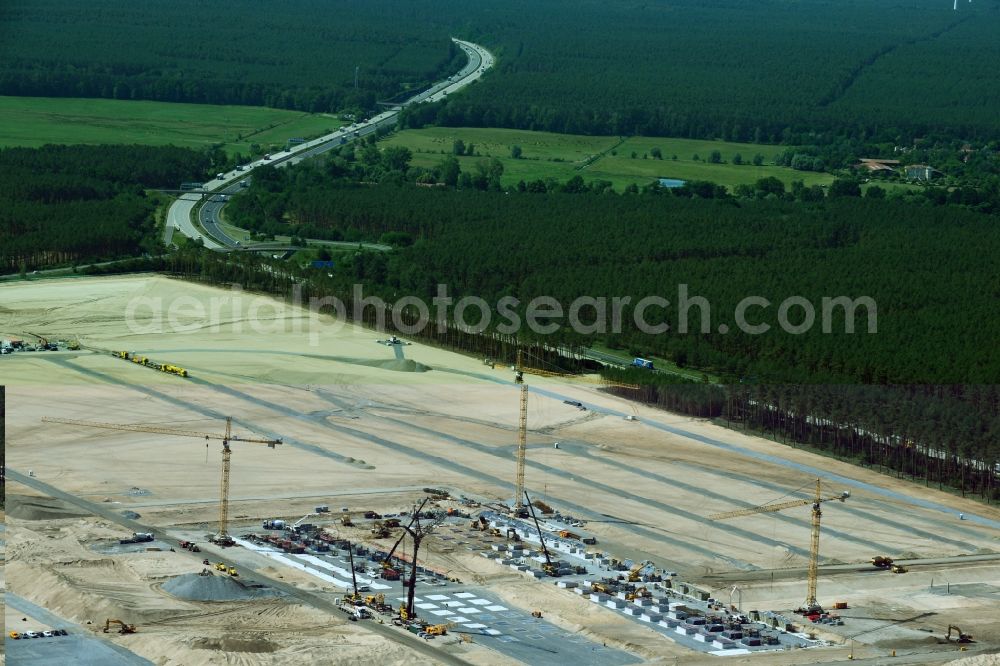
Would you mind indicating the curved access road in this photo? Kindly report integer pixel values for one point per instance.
(179, 217)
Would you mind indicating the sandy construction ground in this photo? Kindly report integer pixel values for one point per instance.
(361, 426)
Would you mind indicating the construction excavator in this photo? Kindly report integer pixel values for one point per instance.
(122, 627)
(640, 593)
(959, 636)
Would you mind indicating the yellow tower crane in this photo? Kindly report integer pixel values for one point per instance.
(522, 435)
(811, 604)
(222, 538)
(522, 427)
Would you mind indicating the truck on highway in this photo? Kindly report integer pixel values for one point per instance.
(643, 363)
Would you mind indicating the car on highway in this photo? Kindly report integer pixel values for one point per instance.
(240, 167)
(47, 634)
(31, 634)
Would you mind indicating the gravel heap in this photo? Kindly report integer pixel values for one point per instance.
(196, 587)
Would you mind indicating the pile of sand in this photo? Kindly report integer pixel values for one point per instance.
(39, 508)
(395, 364)
(197, 587)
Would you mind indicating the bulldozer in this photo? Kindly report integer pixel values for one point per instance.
(122, 627)
(436, 629)
(959, 636)
(346, 521)
(233, 572)
(219, 566)
(899, 569)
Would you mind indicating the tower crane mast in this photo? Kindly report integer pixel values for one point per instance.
(817, 512)
(222, 537)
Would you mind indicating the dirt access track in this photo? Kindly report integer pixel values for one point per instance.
(360, 425)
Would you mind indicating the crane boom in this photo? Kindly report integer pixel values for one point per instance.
(162, 430)
(817, 513)
(223, 535)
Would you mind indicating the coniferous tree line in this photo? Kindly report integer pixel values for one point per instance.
(917, 262)
(291, 55)
(68, 204)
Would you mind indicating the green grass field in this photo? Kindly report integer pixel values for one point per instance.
(562, 156)
(35, 121)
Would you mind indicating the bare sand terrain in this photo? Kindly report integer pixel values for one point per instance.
(360, 430)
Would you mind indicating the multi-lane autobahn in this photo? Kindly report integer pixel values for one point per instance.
(179, 217)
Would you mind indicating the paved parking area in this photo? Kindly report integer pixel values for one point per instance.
(513, 632)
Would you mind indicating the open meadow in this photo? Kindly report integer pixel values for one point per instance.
(36, 121)
(621, 160)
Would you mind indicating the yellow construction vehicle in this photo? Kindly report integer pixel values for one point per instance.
(233, 572)
(898, 568)
(437, 629)
(219, 566)
(403, 615)
(346, 521)
(375, 600)
(599, 587)
(816, 501)
(959, 636)
(639, 593)
(14, 635)
(379, 531)
(122, 627)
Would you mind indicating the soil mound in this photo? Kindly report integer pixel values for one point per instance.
(196, 587)
(228, 644)
(39, 508)
(398, 365)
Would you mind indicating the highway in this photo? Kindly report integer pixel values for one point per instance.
(227, 184)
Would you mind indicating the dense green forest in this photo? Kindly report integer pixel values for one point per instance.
(761, 71)
(68, 204)
(292, 55)
(764, 71)
(932, 270)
